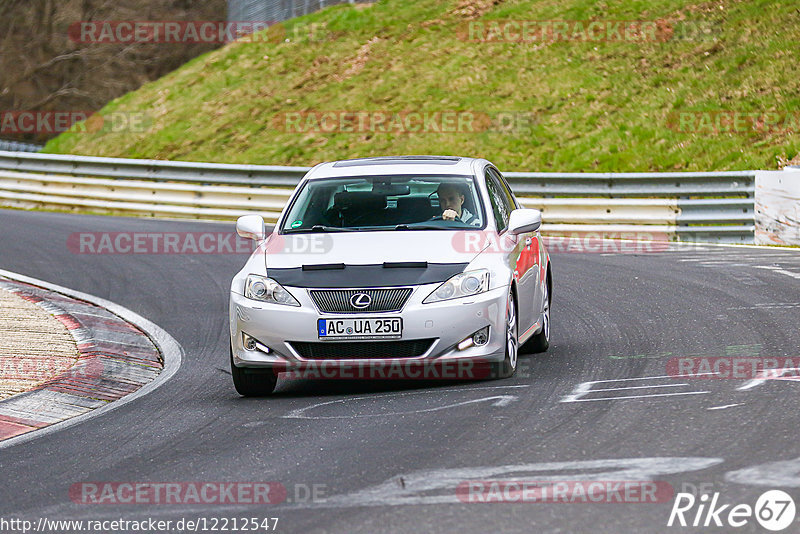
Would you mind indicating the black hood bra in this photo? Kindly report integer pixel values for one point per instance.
(329, 275)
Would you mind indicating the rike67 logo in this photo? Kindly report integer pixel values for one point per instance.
(774, 510)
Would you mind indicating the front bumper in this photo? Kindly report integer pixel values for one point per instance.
(276, 328)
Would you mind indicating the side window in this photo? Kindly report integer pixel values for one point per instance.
(507, 190)
(501, 209)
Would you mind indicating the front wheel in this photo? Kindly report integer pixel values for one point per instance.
(508, 366)
(253, 382)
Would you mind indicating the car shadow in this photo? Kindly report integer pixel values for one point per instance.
(305, 387)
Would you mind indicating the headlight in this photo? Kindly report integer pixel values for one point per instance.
(267, 290)
(461, 285)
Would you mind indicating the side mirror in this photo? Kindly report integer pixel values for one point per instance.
(250, 226)
(524, 220)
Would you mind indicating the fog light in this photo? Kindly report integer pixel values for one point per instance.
(481, 337)
(250, 343)
(465, 344)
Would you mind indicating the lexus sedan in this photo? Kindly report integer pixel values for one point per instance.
(391, 267)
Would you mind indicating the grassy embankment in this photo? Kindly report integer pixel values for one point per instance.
(577, 106)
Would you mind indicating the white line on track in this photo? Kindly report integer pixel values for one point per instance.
(640, 387)
(768, 306)
(499, 400)
(641, 378)
(778, 270)
(723, 264)
(750, 384)
(721, 258)
(725, 406)
(585, 388)
(639, 396)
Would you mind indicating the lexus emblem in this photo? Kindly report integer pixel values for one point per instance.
(360, 301)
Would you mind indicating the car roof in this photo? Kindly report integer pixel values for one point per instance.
(392, 165)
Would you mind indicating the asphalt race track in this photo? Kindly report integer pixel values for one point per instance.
(387, 456)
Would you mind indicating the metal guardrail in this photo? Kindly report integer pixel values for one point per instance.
(277, 10)
(159, 170)
(681, 206)
(16, 146)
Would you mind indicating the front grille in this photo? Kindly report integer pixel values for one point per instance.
(381, 300)
(361, 350)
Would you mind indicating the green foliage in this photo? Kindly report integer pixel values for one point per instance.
(578, 106)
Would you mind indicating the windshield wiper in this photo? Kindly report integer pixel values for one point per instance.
(416, 226)
(318, 228)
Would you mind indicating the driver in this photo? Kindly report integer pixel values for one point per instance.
(451, 202)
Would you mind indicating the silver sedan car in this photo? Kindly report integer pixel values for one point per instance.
(391, 267)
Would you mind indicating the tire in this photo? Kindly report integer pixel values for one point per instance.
(508, 366)
(541, 341)
(253, 382)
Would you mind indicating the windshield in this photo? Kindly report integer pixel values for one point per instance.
(405, 202)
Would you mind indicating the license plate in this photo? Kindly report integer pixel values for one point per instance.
(360, 328)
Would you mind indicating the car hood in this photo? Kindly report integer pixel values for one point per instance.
(370, 248)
